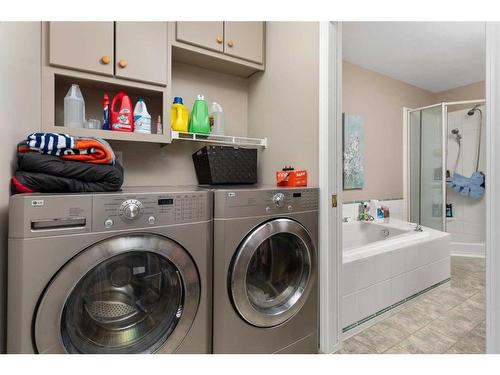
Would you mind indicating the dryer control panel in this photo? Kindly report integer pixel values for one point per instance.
(126, 211)
(264, 201)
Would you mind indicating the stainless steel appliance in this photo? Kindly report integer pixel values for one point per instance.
(265, 270)
(126, 272)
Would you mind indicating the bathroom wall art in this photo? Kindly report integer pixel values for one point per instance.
(353, 151)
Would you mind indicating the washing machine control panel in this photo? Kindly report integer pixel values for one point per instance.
(279, 199)
(131, 209)
(127, 211)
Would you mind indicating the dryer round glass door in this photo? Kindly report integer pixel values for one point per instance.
(272, 272)
(128, 294)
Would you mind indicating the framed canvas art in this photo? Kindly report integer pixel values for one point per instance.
(353, 151)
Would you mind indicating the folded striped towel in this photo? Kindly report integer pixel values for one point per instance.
(90, 150)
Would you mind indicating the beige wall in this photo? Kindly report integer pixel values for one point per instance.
(473, 91)
(380, 100)
(149, 164)
(20, 67)
(283, 101)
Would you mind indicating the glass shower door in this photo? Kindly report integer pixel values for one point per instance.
(426, 170)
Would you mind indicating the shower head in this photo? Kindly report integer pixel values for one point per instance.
(473, 109)
(457, 134)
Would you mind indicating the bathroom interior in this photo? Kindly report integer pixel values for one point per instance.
(413, 273)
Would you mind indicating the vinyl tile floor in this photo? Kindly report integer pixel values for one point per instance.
(449, 319)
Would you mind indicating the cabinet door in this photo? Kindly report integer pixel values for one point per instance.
(202, 34)
(141, 51)
(82, 45)
(245, 40)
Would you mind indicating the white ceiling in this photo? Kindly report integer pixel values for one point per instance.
(435, 56)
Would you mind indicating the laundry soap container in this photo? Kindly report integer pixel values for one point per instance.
(199, 121)
(142, 118)
(223, 165)
(179, 116)
(74, 108)
(217, 119)
(122, 117)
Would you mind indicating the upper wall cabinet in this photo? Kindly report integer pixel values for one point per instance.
(141, 51)
(202, 34)
(140, 48)
(244, 40)
(231, 47)
(82, 45)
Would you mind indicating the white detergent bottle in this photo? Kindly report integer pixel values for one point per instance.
(74, 108)
(217, 119)
(142, 119)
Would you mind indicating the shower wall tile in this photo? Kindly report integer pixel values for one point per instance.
(469, 215)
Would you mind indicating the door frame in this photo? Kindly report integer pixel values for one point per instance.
(330, 183)
(492, 187)
(330, 178)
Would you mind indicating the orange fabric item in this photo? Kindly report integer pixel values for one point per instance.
(100, 154)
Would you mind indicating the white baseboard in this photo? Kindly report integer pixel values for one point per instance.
(467, 249)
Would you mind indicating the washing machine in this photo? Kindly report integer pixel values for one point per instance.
(125, 272)
(265, 270)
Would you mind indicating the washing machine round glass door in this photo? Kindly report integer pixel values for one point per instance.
(128, 294)
(272, 272)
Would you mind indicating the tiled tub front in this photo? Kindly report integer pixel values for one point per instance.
(382, 274)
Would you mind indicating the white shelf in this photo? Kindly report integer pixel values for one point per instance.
(220, 139)
(112, 135)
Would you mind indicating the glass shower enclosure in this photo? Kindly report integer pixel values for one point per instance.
(426, 164)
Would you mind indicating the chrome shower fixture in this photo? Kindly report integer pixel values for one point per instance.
(457, 134)
(474, 109)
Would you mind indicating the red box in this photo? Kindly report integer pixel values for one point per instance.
(291, 178)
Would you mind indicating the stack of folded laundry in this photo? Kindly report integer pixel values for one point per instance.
(59, 163)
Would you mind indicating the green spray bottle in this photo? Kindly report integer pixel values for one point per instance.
(199, 121)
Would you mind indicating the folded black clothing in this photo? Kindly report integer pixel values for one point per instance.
(50, 174)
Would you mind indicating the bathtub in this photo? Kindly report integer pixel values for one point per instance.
(386, 264)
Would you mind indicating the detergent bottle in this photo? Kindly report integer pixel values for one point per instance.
(105, 112)
(179, 115)
(74, 108)
(217, 119)
(122, 118)
(142, 118)
(199, 121)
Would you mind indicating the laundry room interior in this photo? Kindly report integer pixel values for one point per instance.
(184, 187)
(266, 85)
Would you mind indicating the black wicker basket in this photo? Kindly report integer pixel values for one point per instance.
(217, 165)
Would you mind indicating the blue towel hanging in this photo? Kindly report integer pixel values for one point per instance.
(473, 186)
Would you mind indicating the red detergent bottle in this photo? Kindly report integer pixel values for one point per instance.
(122, 118)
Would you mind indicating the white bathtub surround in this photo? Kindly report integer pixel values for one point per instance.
(385, 263)
(397, 209)
(467, 226)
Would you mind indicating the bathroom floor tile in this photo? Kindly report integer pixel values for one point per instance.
(431, 308)
(378, 340)
(450, 319)
(473, 342)
(453, 325)
(354, 346)
(425, 341)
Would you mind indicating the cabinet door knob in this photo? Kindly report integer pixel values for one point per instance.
(219, 39)
(230, 43)
(105, 60)
(122, 63)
